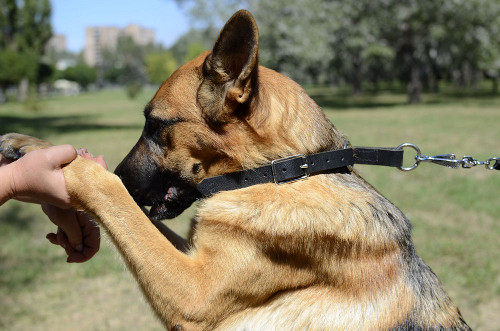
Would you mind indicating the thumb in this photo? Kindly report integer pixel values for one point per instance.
(62, 154)
(67, 221)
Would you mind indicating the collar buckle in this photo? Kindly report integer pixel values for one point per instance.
(285, 169)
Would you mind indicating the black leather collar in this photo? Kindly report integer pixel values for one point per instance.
(300, 167)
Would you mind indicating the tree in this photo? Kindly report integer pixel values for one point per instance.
(159, 66)
(457, 39)
(203, 38)
(294, 41)
(194, 49)
(356, 42)
(35, 29)
(16, 66)
(126, 64)
(82, 74)
(213, 12)
(417, 42)
(475, 25)
(8, 23)
(25, 29)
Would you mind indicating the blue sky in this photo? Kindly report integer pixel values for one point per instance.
(71, 17)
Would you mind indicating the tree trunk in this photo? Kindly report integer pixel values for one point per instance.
(435, 85)
(23, 89)
(357, 75)
(3, 95)
(415, 85)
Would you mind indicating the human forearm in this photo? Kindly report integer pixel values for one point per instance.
(5, 184)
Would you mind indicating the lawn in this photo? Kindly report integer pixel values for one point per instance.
(455, 213)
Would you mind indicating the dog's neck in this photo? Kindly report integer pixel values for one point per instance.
(281, 103)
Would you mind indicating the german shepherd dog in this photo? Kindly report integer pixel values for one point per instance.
(325, 253)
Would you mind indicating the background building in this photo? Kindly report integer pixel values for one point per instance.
(99, 38)
(57, 43)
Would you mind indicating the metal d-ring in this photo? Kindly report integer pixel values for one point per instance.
(417, 157)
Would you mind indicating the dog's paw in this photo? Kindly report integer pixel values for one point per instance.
(15, 145)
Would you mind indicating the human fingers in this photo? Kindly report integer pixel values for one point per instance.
(62, 239)
(100, 160)
(91, 231)
(38, 175)
(67, 221)
(83, 152)
(52, 237)
(91, 239)
(61, 154)
(73, 255)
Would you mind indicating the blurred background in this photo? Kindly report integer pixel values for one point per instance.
(384, 71)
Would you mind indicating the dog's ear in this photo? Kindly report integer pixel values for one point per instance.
(230, 71)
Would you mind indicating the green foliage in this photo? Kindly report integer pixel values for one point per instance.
(34, 25)
(133, 89)
(127, 64)
(25, 25)
(8, 23)
(160, 65)
(182, 46)
(15, 66)
(25, 29)
(82, 74)
(45, 73)
(112, 74)
(419, 43)
(194, 49)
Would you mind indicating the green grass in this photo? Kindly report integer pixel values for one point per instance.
(455, 213)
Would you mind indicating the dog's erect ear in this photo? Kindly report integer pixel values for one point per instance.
(229, 72)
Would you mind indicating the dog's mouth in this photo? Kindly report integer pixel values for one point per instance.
(160, 194)
(169, 204)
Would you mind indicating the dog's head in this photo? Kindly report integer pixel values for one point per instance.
(217, 114)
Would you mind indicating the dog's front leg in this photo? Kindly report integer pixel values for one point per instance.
(176, 240)
(173, 282)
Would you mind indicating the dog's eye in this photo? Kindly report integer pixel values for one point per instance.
(153, 129)
(153, 124)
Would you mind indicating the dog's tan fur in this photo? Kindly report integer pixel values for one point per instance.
(326, 253)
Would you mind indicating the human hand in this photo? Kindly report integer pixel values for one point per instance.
(37, 176)
(77, 233)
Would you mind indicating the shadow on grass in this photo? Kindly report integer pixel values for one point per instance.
(41, 126)
(343, 99)
(368, 101)
(348, 102)
(11, 217)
